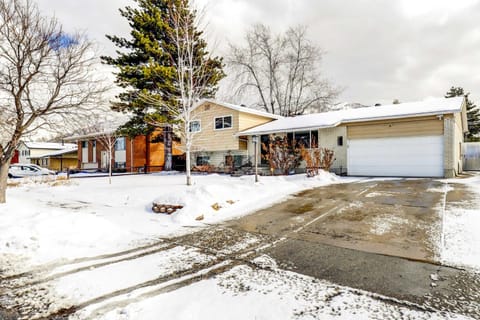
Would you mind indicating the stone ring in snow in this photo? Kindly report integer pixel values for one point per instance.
(165, 208)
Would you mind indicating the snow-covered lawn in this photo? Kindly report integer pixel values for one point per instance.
(88, 217)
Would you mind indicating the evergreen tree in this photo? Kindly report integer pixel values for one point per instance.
(473, 115)
(146, 68)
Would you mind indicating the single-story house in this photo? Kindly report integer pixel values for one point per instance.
(216, 125)
(59, 160)
(129, 154)
(417, 139)
(35, 152)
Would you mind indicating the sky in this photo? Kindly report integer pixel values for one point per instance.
(376, 50)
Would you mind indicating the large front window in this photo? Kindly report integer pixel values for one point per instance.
(223, 122)
(308, 139)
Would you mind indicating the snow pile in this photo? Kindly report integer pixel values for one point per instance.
(89, 217)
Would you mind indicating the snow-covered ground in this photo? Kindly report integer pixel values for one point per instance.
(86, 217)
(461, 227)
(50, 223)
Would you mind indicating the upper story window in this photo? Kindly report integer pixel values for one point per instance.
(195, 126)
(120, 144)
(94, 143)
(223, 122)
(84, 144)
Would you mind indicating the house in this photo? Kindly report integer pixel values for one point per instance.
(216, 125)
(59, 160)
(417, 139)
(129, 154)
(38, 153)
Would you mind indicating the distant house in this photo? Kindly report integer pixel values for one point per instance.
(52, 155)
(143, 151)
(417, 139)
(216, 125)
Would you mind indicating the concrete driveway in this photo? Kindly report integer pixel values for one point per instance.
(398, 217)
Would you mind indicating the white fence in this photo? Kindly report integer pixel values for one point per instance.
(471, 159)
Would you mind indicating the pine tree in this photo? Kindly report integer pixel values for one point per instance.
(145, 69)
(473, 115)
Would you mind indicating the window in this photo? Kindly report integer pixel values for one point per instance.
(340, 141)
(223, 122)
(120, 165)
(309, 139)
(120, 144)
(195, 126)
(84, 144)
(202, 160)
(94, 143)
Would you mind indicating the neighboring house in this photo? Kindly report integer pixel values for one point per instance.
(128, 154)
(35, 152)
(216, 125)
(418, 139)
(60, 160)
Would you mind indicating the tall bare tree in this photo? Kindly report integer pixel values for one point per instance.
(282, 71)
(196, 74)
(47, 77)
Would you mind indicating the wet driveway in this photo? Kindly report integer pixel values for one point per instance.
(399, 217)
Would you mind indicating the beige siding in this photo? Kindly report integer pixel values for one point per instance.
(327, 138)
(248, 121)
(209, 139)
(396, 128)
(458, 141)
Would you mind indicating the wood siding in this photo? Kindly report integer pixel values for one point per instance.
(424, 126)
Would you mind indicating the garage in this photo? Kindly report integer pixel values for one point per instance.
(403, 157)
(404, 149)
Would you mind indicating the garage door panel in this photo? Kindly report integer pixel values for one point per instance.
(401, 156)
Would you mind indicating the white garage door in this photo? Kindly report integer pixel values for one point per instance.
(402, 157)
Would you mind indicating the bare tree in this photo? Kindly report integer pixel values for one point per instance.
(106, 134)
(46, 77)
(197, 72)
(282, 71)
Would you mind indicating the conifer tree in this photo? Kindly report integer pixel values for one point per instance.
(473, 115)
(146, 68)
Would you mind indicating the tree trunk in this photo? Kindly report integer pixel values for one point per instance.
(3, 181)
(187, 167)
(167, 140)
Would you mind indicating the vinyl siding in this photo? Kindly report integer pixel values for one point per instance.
(209, 139)
(426, 126)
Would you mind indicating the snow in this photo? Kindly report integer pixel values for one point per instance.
(100, 246)
(50, 145)
(87, 217)
(334, 118)
(267, 293)
(461, 222)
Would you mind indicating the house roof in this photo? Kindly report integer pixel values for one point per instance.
(334, 118)
(49, 145)
(240, 109)
(56, 153)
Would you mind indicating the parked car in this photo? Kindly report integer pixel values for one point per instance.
(27, 170)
